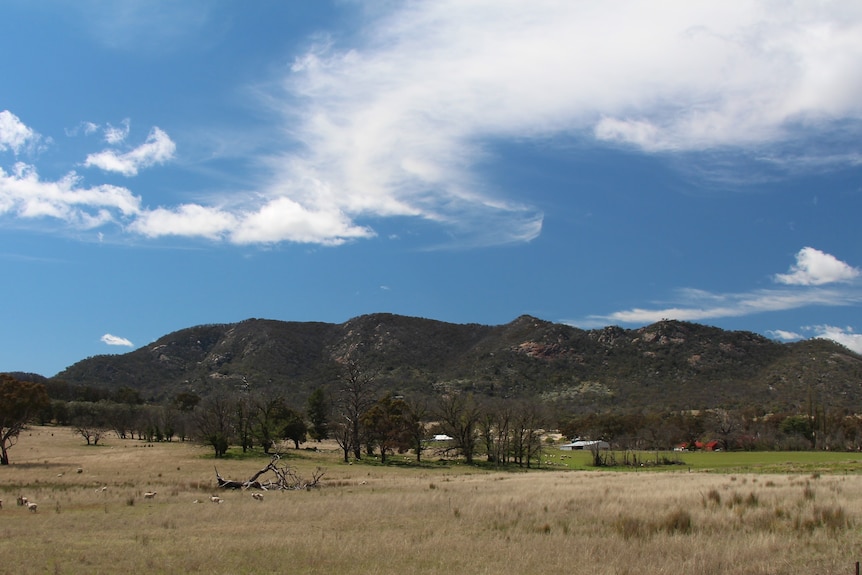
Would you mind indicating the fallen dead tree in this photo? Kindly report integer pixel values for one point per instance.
(285, 478)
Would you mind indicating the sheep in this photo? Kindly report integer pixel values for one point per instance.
(257, 496)
(1, 504)
(216, 499)
(31, 506)
(22, 500)
(149, 495)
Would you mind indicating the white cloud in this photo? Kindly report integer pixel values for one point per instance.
(116, 135)
(188, 220)
(844, 336)
(394, 124)
(698, 305)
(25, 195)
(158, 149)
(116, 340)
(283, 219)
(785, 335)
(87, 128)
(14, 135)
(397, 122)
(814, 267)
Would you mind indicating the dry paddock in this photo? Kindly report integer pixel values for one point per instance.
(93, 518)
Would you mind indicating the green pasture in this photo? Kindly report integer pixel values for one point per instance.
(719, 462)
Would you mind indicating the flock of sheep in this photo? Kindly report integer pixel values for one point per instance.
(32, 506)
(24, 502)
(213, 498)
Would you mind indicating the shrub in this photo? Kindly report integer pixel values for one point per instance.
(678, 521)
(713, 497)
(832, 518)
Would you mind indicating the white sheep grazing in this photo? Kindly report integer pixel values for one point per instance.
(149, 494)
(257, 496)
(216, 499)
(32, 506)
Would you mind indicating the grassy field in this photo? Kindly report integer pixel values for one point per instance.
(727, 462)
(439, 518)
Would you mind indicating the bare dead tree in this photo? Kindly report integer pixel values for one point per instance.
(357, 387)
(459, 416)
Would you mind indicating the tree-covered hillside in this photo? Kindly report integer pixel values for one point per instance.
(668, 365)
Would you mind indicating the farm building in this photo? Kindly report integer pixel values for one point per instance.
(578, 444)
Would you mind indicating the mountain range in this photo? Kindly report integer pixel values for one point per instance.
(666, 365)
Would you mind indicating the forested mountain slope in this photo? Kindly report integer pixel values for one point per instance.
(670, 364)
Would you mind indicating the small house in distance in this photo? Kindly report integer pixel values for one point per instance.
(578, 444)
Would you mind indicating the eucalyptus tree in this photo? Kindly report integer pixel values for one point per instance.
(386, 424)
(20, 403)
(317, 409)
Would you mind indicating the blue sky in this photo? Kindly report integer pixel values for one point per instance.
(169, 164)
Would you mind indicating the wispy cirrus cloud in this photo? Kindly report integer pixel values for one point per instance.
(806, 279)
(784, 335)
(116, 340)
(400, 121)
(396, 123)
(116, 134)
(843, 335)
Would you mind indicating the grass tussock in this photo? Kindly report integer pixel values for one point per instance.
(413, 521)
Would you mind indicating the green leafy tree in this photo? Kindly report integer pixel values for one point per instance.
(186, 401)
(317, 410)
(269, 417)
(294, 428)
(414, 421)
(798, 425)
(20, 403)
(386, 424)
(90, 420)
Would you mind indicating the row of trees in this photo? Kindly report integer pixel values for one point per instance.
(506, 431)
(747, 429)
(363, 421)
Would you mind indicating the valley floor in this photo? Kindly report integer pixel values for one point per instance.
(373, 519)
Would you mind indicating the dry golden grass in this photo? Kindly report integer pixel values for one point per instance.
(382, 520)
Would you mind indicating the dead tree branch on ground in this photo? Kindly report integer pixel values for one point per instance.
(285, 478)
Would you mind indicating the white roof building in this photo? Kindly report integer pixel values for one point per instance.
(585, 444)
